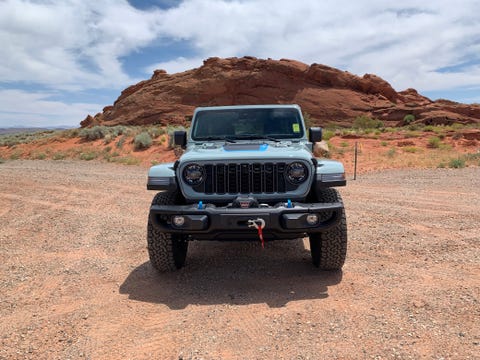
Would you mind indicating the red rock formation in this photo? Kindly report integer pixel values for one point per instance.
(329, 95)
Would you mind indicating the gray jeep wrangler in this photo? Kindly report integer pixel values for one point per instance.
(248, 173)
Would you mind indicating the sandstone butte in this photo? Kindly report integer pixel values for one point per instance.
(328, 95)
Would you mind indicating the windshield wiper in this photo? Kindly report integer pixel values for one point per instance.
(256, 137)
(212, 138)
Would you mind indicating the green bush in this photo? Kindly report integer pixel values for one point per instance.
(407, 119)
(410, 149)
(391, 153)
(365, 122)
(120, 142)
(434, 142)
(40, 156)
(88, 155)
(156, 131)
(59, 156)
(94, 133)
(142, 141)
(327, 134)
(457, 163)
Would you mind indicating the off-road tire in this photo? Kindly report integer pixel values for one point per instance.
(329, 248)
(167, 252)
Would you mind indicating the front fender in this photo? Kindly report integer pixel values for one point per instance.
(162, 177)
(329, 173)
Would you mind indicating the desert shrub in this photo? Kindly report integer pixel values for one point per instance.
(120, 142)
(415, 127)
(474, 156)
(94, 133)
(142, 141)
(411, 134)
(457, 163)
(327, 134)
(90, 155)
(40, 156)
(127, 160)
(391, 153)
(15, 155)
(156, 131)
(407, 119)
(384, 143)
(108, 138)
(59, 156)
(410, 149)
(434, 142)
(365, 122)
(70, 133)
(445, 146)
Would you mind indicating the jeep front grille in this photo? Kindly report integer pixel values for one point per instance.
(244, 178)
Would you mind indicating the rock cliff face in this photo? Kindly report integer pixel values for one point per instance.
(327, 94)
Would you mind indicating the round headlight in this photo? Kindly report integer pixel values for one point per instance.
(194, 174)
(296, 173)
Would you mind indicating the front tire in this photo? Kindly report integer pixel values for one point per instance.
(329, 248)
(167, 251)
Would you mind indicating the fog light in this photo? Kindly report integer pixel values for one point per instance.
(178, 220)
(312, 219)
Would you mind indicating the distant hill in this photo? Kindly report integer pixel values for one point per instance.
(328, 95)
(16, 130)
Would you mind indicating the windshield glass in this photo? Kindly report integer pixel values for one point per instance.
(270, 124)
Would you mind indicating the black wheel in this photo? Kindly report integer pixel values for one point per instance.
(329, 248)
(167, 252)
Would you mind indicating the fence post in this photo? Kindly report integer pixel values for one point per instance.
(355, 161)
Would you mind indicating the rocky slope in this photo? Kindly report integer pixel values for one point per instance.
(327, 94)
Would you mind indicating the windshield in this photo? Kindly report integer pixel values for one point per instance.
(275, 123)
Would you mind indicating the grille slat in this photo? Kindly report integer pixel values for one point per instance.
(245, 178)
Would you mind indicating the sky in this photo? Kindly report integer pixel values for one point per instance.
(61, 60)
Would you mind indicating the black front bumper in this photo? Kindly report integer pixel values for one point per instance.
(226, 223)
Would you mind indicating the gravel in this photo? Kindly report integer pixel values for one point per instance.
(76, 282)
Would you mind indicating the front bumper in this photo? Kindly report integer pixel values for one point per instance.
(226, 223)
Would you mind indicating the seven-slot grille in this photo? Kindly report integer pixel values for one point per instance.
(244, 178)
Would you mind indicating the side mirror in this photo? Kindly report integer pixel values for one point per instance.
(315, 135)
(180, 138)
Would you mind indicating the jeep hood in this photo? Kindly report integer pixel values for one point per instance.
(246, 151)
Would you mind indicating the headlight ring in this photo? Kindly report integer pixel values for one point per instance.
(296, 173)
(194, 174)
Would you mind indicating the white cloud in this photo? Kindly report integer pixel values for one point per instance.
(177, 65)
(71, 44)
(74, 45)
(403, 42)
(37, 109)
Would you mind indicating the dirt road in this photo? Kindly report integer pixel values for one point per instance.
(75, 281)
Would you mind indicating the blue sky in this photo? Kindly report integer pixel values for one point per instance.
(63, 59)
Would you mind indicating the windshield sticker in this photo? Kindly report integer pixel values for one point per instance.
(296, 128)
